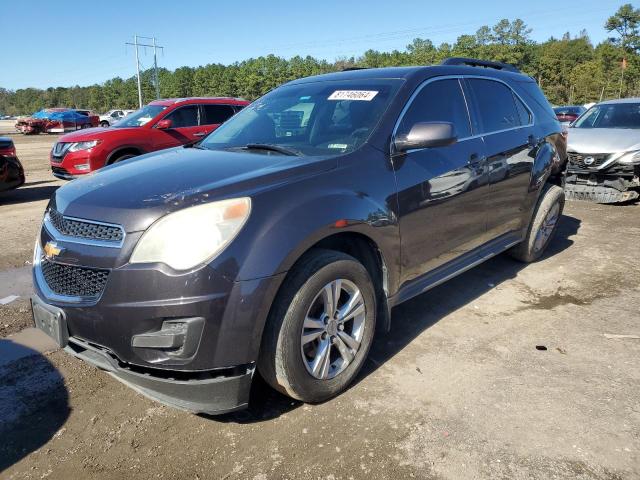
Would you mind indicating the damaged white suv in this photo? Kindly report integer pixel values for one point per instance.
(604, 153)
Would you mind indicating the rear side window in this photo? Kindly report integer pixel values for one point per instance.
(534, 97)
(439, 101)
(184, 117)
(495, 105)
(214, 114)
(523, 112)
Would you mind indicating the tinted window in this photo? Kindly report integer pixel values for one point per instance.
(439, 101)
(534, 97)
(523, 112)
(214, 114)
(495, 105)
(184, 117)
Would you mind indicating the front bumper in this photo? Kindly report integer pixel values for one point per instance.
(613, 184)
(62, 173)
(124, 329)
(206, 392)
(65, 166)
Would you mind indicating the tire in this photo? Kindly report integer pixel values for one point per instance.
(543, 225)
(286, 362)
(122, 158)
(104, 124)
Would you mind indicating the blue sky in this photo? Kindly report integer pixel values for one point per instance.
(63, 43)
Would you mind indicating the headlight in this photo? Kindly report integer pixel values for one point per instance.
(193, 236)
(631, 158)
(82, 145)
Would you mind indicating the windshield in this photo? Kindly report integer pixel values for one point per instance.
(320, 118)
(613, 115)
(140, 117)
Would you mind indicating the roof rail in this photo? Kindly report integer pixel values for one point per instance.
(350, 69)
(474, 62)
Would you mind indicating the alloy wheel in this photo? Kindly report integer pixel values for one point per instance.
(546, 229)
(333, 329)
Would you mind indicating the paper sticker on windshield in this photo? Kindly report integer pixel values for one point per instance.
(362, 95)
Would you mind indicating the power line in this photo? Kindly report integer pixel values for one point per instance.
(155, 64)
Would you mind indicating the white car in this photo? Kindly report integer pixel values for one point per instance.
(113, 116)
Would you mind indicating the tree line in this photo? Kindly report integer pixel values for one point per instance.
(570, 69)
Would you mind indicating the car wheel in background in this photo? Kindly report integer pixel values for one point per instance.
(320, 327)
(104, 124)
(122, 158)
(543, 225)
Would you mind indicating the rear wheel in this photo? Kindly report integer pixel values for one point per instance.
(104, 124)
(320, 328)
(543, 225)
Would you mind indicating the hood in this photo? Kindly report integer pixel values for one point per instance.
(603, 140)
(139, 191)
(88, 134)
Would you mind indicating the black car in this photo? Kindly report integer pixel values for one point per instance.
(281, 242)
(11, 171)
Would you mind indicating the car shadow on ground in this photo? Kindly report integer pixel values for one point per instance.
(409, 320)
(413, 317)
(28, 193)
(34, 402)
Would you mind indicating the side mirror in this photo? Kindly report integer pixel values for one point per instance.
(426, 135)
(164, 124)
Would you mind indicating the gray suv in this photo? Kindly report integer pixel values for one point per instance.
(280, 243)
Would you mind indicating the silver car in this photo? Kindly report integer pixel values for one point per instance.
(604, 153)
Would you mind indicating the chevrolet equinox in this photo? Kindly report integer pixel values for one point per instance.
(280, 242)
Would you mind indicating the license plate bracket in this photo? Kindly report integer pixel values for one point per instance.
(50, 320)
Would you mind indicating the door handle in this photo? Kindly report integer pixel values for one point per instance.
(200, 134)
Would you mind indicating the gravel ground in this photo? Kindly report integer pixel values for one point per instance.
(508, 371)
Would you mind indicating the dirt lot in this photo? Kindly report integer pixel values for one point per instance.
(508, 371)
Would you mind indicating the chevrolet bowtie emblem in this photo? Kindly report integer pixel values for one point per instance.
(51, 250)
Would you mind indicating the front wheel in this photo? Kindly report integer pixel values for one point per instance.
(320, 328)
(543, 225)
(122, 158)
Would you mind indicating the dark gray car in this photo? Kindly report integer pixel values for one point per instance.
(283, 240)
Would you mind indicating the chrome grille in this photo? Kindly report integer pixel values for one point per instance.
(578, 159)
(60, 149)
(85, 229)
(72, 281)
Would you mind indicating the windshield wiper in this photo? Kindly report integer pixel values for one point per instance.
(274, 148)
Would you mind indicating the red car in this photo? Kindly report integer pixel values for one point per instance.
(11, 171)
(160, 124)
(569, 113)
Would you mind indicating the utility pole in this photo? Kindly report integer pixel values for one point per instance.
(155, 70)
(155, 64)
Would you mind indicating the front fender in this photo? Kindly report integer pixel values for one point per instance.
(296, 228)
(286, 221)
(545, 160)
